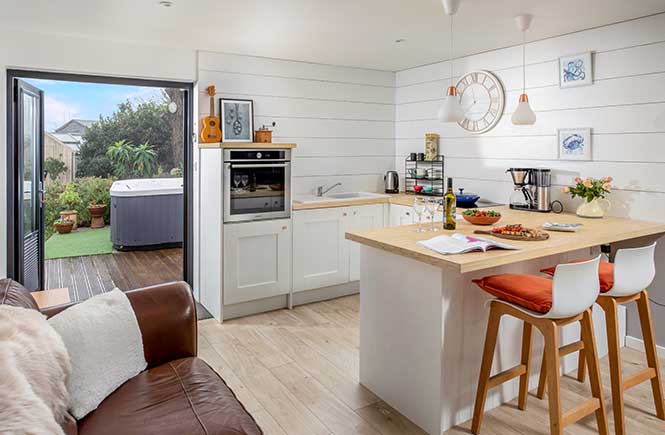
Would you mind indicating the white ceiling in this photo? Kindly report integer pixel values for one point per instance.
(340, 32)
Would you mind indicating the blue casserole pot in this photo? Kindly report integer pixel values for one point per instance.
(466, 199)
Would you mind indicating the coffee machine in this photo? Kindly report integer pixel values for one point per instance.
(532, 190)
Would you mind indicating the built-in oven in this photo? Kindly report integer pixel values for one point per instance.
(257, 184)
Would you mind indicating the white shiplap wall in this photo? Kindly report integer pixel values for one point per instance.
(341, 118)
(625, 107)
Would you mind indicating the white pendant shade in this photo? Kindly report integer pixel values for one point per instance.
(450, 110)
(524, 115)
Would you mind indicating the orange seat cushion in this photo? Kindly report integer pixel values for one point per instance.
(528, 291)
(605, 274)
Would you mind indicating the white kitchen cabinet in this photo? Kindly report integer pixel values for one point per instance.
(257, 260)
(364, 217)
(401, 215)
(320, 251)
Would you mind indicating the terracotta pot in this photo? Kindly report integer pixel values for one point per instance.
(97, 214)
(72, 215)
(64, 228)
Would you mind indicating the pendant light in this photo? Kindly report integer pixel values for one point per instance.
(523, 115)
(451, 109)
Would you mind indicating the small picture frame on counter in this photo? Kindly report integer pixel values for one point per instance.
(574, 144)
(237, 117)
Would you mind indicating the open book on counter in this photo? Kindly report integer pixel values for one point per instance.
(461, 244)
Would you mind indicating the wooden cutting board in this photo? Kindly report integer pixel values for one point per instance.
(543, 236)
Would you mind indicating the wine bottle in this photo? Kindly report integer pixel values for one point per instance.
(451, 207)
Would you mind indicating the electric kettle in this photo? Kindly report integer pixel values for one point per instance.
(391, 181)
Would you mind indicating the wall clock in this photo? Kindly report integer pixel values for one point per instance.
(482, 99)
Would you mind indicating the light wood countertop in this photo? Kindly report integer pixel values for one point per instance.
(402, 240)
(394, 198)
(247, 145)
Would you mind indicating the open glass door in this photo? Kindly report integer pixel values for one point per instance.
(28, 185)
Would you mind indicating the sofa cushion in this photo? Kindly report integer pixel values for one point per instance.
(184, 396)
(14, 294)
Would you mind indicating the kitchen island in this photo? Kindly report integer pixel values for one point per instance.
(423, 322)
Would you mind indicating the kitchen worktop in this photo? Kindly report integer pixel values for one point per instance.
(402, 240)
(392, 198)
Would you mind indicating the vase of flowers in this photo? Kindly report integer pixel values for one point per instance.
(593, 192)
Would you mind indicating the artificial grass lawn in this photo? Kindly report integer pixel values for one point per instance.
(83, 241)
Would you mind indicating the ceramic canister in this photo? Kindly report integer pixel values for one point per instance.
(431, 146)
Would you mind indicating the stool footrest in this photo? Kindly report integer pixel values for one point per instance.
(506, 375)
(580, 411)
(638, 378)
(570, 348)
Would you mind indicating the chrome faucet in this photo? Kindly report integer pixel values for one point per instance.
(320, 191)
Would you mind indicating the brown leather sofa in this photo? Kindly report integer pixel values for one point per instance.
(178, 393)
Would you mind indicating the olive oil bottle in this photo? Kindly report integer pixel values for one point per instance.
(451, 207)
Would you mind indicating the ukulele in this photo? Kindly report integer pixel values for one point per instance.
(211, 132)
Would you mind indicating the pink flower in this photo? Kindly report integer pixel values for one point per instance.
(566, 189)
(607, 186)
(609, 179)
(578, 180)
(588, 182)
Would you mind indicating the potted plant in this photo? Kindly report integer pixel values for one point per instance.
(593, 191)
(63, 226)
(71, 200)
(96, 211)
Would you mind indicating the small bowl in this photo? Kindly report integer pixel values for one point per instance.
(482, 220)
(427, 189)
(417, 188)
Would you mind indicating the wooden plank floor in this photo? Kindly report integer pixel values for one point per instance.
(296, 372)
(95, 274)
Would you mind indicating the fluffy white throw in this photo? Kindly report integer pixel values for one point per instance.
(34, 367)
(105, 347)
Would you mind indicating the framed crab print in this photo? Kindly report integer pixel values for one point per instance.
(574, 144)
(237, 118)
(576, 70)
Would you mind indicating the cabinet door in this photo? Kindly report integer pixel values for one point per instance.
(400, 215)
(257, 260)
(364, 217)
(320, 252)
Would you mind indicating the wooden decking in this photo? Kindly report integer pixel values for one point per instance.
(95, 274)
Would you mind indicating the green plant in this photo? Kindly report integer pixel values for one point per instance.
(61, 221)
(70, 198)
(590, 188)
(143, 160)
(54, 167)
(121, 154)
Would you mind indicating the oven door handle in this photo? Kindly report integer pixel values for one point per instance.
(269, 165)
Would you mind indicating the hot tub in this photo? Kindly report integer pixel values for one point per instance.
(147, 213)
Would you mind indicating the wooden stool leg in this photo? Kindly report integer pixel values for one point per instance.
(527, 338)
(650, 348)
(591, 354)
(581, 362)
(609, 306)
(486, 367)
(551, 334)
(542, 381)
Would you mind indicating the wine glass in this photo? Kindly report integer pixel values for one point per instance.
(419, 205)
(432, 205)
(245, 180)
(236, 180)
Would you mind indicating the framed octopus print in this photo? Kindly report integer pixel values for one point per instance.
(237, 117)
(576, 70)
(575, 144)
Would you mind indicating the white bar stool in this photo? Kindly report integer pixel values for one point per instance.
(634, 271)
(572, 292)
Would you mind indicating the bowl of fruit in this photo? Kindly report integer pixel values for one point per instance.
(481, 217)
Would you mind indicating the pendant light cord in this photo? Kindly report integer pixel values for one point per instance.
(451, 50)
(523, 61)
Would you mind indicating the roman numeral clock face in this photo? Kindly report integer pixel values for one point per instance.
(482, 99)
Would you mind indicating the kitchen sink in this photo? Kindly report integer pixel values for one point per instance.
(343, 196)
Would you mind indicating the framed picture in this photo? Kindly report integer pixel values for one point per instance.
(237, 118)
(575, 144)
(576, 70)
